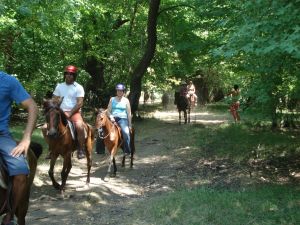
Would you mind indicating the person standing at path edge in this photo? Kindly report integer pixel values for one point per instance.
(119, 111)
(73, 95)
(235, 104)
(13, 154)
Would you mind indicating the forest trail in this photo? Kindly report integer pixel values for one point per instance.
(111, 202)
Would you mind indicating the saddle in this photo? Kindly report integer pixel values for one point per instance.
(72, 127)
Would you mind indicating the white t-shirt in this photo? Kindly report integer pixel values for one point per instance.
(70, 93)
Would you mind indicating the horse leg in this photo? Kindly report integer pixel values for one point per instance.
(50, 172)
(115, 166)
(123, 161)
(189, 114)
(22, 208)
(88, 150)
(131, 163)
(17, 191)
(185, 116)
(179, 116)
(65, 171)
(111, 158)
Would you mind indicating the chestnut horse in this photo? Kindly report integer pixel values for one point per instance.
(191, 99)
(60, 141)
(112, 139)
(20, 210)
(181, 106)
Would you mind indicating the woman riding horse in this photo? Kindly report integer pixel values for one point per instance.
(119, 111)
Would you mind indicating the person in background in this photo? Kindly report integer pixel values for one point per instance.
(13, 154)
(183, 92)
(235, 104)
(119, 111)
(192, 91)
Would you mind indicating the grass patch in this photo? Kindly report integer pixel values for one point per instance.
(245, 141)
(268, 205)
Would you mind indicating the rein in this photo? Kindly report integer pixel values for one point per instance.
(64, 131)
(101, 125)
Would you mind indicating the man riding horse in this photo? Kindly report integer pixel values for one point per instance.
(183, 93)
(72, 94)
(13, 154)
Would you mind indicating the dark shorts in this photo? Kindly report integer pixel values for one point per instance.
(15, 165)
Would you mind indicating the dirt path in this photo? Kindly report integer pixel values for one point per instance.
(111, 202)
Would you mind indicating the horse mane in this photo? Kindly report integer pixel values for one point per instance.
(54, 104)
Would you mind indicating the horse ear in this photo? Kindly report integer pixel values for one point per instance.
(44, 100)
(60, 101)
(96, 110)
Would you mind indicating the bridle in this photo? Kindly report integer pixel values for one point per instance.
(57, 129)
(101, 125)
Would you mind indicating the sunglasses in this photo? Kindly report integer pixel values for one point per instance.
(69, 73)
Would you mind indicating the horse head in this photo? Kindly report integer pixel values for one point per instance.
(54, 117)
(100, 120)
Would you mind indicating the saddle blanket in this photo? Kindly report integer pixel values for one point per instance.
(73, 131)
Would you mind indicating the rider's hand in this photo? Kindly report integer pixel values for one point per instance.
(112, 119)
(68, 114)
(21, 147)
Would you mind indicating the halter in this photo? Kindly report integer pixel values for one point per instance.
(101, 125)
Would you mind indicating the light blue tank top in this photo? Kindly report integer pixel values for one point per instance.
(119, 109)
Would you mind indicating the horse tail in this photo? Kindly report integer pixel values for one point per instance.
(132, 139)
(91, 133)
(37, 148)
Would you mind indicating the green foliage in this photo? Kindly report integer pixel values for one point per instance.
(269, 205)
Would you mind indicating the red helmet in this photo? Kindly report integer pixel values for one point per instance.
(71, 69)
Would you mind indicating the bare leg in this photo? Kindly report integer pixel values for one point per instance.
(17, 193)
(80, 134)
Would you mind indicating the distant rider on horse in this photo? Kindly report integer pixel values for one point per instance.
(191, 91)
(119, 111)
(73, 95)
(13, 154)
(183, 92)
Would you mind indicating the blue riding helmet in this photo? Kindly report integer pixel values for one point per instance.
(120, 87)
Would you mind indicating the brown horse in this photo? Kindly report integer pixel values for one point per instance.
(59, 139)
(112, 139)
(191, 99)
(20, 210)
(181, 106)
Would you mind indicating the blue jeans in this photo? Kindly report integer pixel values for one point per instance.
(124, 124)
(15, 165)
(100, 147)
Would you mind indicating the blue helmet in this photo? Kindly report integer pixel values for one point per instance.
(120, 87)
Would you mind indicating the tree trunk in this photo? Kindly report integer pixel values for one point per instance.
(141, 68)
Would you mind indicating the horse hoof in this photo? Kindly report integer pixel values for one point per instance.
(86, 186)
(61, 196)
(106, 179)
